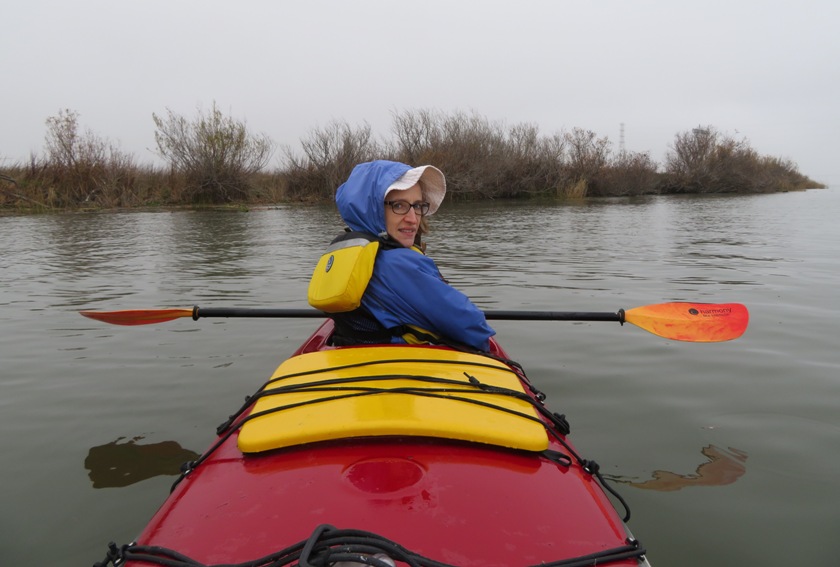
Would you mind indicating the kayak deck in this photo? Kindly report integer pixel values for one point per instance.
(386, 391)
(464, 499)
(457, 503)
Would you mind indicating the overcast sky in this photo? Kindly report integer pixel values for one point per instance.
(765, 70)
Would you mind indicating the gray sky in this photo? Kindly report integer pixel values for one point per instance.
(760, 69)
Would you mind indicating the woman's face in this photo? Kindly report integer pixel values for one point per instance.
(403, 228)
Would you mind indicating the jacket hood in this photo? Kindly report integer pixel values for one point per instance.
(361, 198)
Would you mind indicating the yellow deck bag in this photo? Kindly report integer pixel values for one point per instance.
(315, 397)
(343, 272)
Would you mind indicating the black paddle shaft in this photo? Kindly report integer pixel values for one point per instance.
(490, 315)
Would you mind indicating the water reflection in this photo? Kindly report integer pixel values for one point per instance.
(117, 464)
(583, 247)
(723, 467)
(214, 244)
(85, 245)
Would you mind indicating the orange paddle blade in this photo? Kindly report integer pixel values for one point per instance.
(138, 316)
(695, 322)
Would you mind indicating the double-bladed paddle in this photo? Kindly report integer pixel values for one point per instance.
(679, 321)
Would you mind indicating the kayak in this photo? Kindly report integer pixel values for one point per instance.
(389, 455)
(414, 455)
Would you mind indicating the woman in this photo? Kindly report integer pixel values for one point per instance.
(406, 299)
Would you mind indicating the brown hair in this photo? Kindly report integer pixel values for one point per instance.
(422, 228)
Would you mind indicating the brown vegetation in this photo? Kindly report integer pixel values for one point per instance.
(329, 156)
(216, 155)
(215, 159)
(706, 161)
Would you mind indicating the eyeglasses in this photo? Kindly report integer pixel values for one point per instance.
(402, 207)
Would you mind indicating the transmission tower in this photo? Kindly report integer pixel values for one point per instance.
(621, 139)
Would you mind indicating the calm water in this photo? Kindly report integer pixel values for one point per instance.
(729, 454)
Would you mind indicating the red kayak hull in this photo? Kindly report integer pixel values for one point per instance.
(456, 502)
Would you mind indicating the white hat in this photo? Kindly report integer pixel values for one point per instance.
(431, 180)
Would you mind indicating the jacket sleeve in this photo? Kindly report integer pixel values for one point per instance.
(407, 288)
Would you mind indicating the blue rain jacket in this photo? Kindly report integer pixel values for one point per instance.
(406, 287)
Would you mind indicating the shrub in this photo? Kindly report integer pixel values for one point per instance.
(216, 153)
(629, 173)
(481, 159)
(330, 154)
(81, 167)
(706, 161)
(587, 153)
